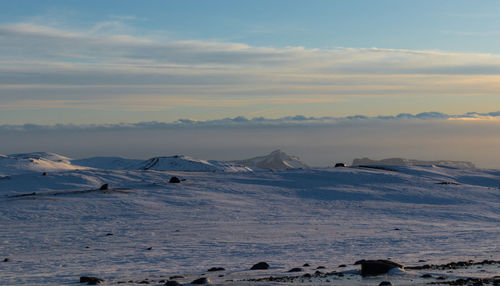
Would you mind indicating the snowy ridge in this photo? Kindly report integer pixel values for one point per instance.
(411, 162)
(186, 163)
(41, 155)
(276, 160)
(35, 162)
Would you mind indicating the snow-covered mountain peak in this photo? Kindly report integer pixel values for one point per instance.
(276, 160)
(186, 163)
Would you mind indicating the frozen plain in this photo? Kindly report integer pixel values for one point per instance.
(59, 229)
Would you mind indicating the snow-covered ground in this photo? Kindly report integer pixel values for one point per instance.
(57, 227)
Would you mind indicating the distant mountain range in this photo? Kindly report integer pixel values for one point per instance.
(276, 160)
(411, 162)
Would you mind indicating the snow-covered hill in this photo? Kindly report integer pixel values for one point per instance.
(411, 162)
(186, 163)
(276, 160)
(109, 163)
(37, 162)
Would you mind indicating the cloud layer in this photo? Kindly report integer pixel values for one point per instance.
(258, 122)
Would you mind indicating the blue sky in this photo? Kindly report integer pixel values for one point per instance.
(129, 61)
(453, 25)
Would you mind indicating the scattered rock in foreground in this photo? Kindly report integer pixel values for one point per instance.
(90, 280)
(200, 281)
(174, 180)
(447, 183)
(472, 281)
(376, 267)
(385, 283)
(453, 265)
(6, 260)
(260, 266)
(104, 187)
(213, 269)
(291, 279)
(172, 283)
(296, 269)
(176, 277)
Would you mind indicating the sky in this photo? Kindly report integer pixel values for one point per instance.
(71, 63)
(129, 61)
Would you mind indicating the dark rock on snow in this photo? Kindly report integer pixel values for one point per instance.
(337, 165)
(260, 266)
(342, 265)
(296, 269)
(213, 269)
(453, 265)
(104, 187)
(447, 183)
(176, 277)
(174, 180)
(90, 280)
(376, 267)
(200, 281)
(306, 265)
(172, 283)
(307, 275)
(6, 260)
(385, 283)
